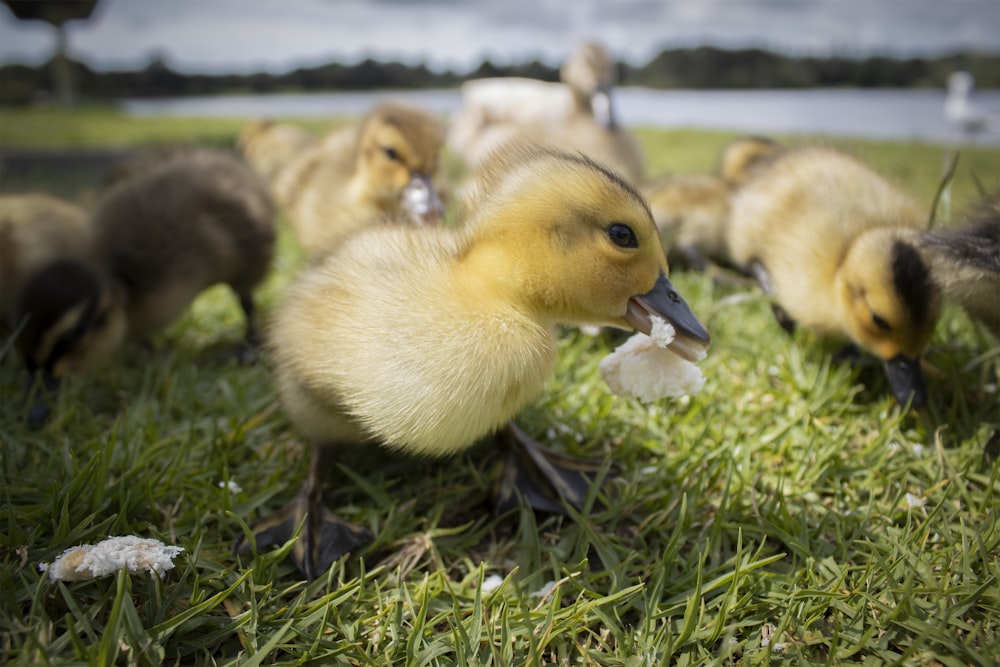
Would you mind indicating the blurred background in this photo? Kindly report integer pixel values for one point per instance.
(257, 57)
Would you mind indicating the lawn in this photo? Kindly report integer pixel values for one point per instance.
(791, 512)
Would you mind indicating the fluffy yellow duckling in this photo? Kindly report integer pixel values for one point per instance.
(329, 194)
(692, 210)
(170, 231)
(427, 340)
(63, 309)
(269, 146)
(965, 262)
(744, 157)
(837, 247)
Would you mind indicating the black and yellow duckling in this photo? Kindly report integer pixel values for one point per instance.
(965, 262)
(62, 307)
(836, 245)
(391, 167)
(426, 340)
(171, 230)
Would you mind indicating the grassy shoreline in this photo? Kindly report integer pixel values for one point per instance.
(789, 513)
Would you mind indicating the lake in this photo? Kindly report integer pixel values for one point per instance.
(877, 114)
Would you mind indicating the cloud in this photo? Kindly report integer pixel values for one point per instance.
(248, 35)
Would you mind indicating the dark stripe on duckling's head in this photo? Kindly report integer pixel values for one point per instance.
(912, 280)
(607, 172)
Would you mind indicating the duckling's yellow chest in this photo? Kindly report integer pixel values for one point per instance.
(440, 394)
(414, 369)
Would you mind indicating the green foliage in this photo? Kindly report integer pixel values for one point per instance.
(790, 513)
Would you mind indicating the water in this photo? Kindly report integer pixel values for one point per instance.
(876, 114)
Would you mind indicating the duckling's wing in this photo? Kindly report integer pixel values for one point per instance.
(977, 245)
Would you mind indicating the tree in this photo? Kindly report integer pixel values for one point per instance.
(56, 13)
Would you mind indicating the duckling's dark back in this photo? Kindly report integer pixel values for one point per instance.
(200, 218)
(965, 261)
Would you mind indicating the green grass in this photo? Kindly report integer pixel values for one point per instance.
(790, 500)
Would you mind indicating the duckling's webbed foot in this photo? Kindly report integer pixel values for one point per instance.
(324, 537)
(547, 480)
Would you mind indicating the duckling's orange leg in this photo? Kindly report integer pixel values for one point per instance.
(547, 480)
(324, 537)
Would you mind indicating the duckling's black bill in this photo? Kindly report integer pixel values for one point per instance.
(664, 301)
(906, 380)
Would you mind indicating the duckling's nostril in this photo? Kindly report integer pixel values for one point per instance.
(674, 296)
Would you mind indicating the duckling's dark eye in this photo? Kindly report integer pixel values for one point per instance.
(391, 152)
(880, 322)
(101, 319)
(622, 235)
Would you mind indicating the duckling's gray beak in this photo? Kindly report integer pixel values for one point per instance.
(664, 301)
(907, 380)
(421, 202)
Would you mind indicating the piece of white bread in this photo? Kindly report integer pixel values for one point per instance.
(642, 367)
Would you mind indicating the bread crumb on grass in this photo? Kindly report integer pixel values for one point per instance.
(89, 561)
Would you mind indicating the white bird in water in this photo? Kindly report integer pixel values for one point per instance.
(964, 113)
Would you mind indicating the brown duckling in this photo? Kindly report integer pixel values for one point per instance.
(62, 307)
(428, 340)
(390, 168)
(837, 246)
(170, 231)
(965, 262)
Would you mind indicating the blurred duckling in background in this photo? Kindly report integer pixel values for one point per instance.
(427, 340)
(170, 231)
(63, 310)
(965, 262)
(692, 211)
(390, 168)
(744, 157)
(269, 146)
(576, 115)
(836, 245)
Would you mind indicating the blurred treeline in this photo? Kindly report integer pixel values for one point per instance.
(704, 67)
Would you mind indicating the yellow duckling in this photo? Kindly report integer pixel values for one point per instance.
(170, 231)
(427, 340)
(836, 245)
(329, 194)
(744, 157)
(269, 146)
(692, 210)
(965, 262)
(64, 311)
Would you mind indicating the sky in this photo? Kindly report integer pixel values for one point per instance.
(242, 36)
